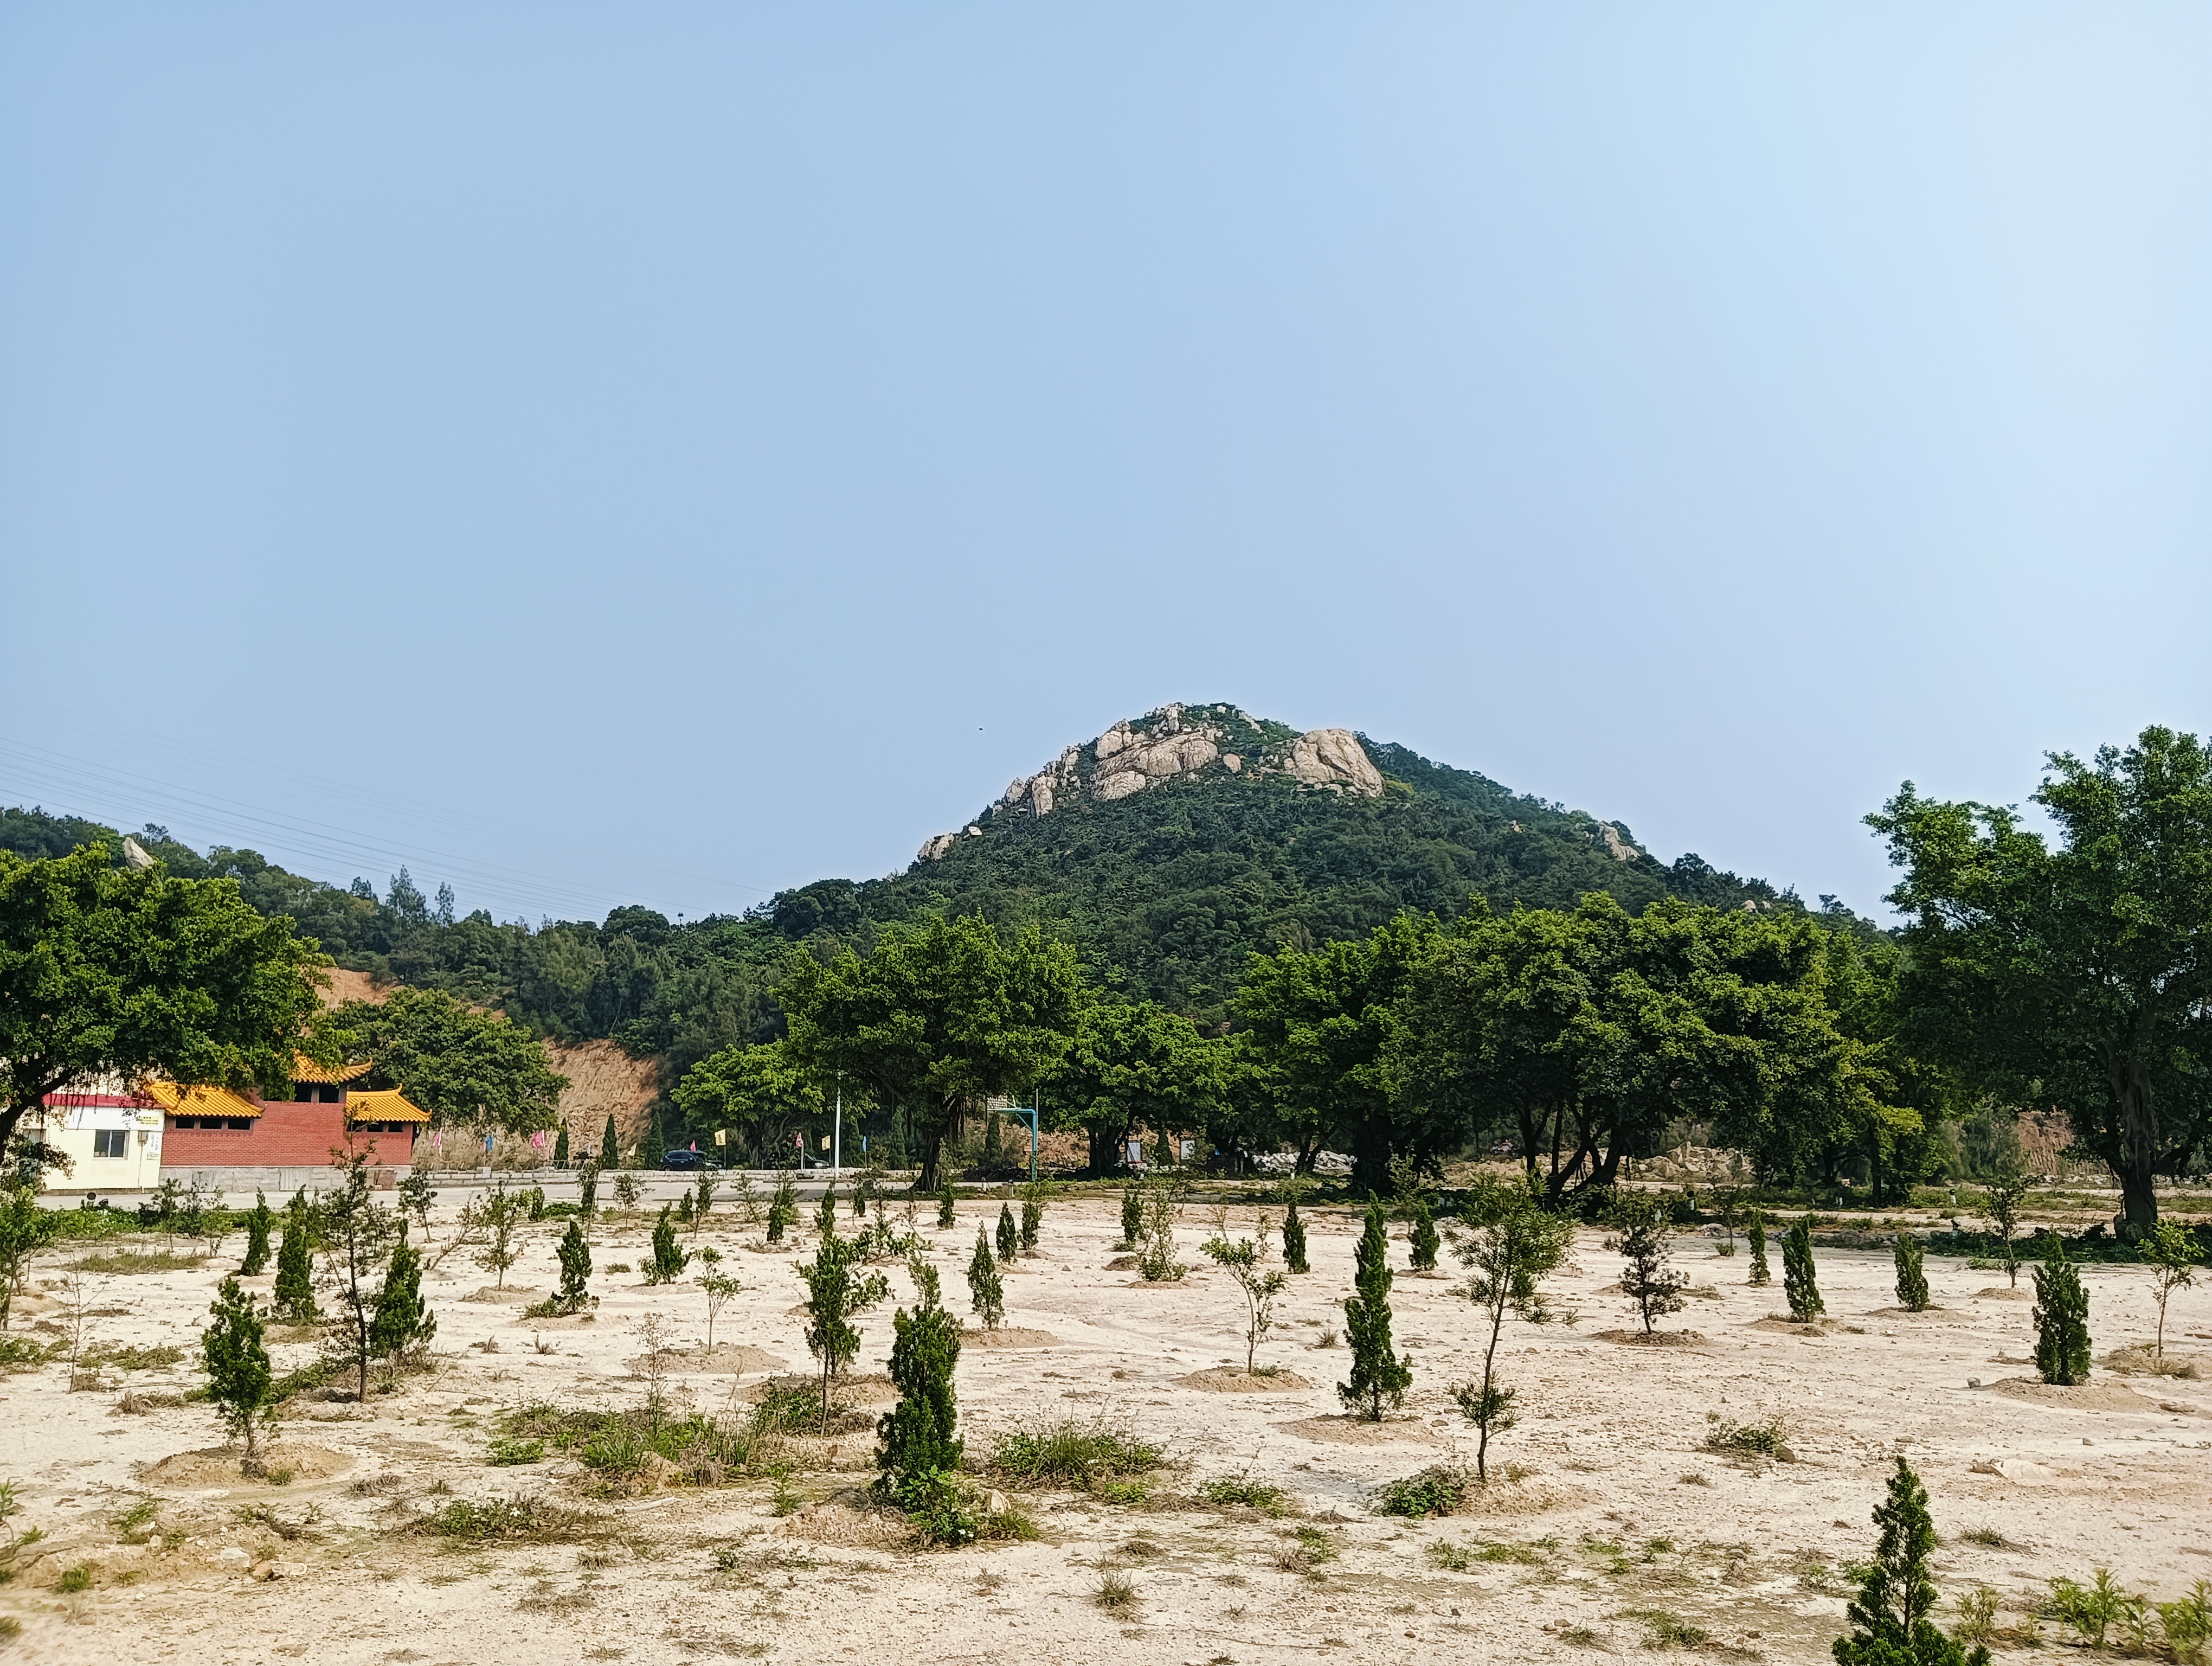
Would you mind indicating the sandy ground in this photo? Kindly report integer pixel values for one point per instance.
(1618, 1511)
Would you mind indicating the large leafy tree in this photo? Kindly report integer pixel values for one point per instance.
(125, 972)
(1589, 1032)
(1135, 1065)
(935, 1020)
(1314, 1026)
(459, 1063)
(2076, 973)
(758, 1092)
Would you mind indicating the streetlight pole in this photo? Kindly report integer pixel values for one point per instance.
(837, 1140)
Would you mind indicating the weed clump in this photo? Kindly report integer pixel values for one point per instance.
(519, 1520)
(1769, 1439)
(1081, 1456)
(1233, 1491)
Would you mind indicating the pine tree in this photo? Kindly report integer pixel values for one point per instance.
(2062, 1317)
(668, 1261)
(259, 1220)
(1133, 1216)
(987, 1294)
(1890, 1618)
(1009, 1238)
(575, 1267)
(825, 1214)
(1377, 1374)
(1422, 1239)
(239, 1382)
(561, 1149)
(295, 1278)
(1798, 1284)
(944, 1202)
(403, 1319)
(1911, 1277)
(1032, 1215)
(610, 1155)
(587, 1192)
(683, 1208)
(1760, 1273)
(1294, 1238)
(1654, 1290)
(920, 1445)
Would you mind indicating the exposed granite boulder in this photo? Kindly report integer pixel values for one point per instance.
(1333, 759)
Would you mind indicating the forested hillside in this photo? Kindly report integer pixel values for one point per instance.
(1162, 894)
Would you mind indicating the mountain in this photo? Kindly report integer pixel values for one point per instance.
(1166, 850)
(1173, 844)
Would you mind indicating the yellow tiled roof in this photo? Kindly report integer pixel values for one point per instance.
(381, 1104)
(200, 1101)
(304, 1069)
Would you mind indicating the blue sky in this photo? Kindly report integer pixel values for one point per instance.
(668, 453)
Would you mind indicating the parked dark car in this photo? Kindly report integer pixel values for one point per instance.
(683, 1160)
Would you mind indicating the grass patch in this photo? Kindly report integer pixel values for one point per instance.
(1115, 1594)
(1229, 1492)
(506, 1453)
(1452, 1559)
(21, 1353)
(136, 1260)
(520, 1520)
(1073, 1455)
(1316, 1546)
(1663, 1630)
(134, 1359)
(1986, 1536)
(622, 1446)
(1438, 1490)
(71, 1580)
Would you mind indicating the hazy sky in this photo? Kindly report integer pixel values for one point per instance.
(655, 452)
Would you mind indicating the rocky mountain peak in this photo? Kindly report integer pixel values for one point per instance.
(1137, 754)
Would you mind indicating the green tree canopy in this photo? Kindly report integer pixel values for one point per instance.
(2075, 974)
(458, 1063)
(1134, 1064)
(108, 971)
(757, 1091)
(938, 1018)
(1314, 1026)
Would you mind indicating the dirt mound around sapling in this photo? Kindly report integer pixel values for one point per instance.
(1228, 1379)
(2080, 1396)
(868, 1388)
(1999, 1293)
(1931, 1311)
(1007, 1336)
(849, 1518)
(1791, 1327)
(1123, 1264)
(2136, 1359)
(1651, 1338)
(512, 1296)
(1343, 1430)
(729, 1358)
(1530, 1495)
(217, 1466)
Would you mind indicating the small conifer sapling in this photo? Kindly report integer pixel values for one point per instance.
(2062, 1317)
(610, 1155)
(1009, 1237)
(1800, 1288)
(1653, 1288)
(668, 1260)
(1377, 1373)
(296, 1277)
(1033, 1202)
(1911, 1274)
(987, 1294)
(1132, 1218)
(944, 1202)
(259, 1220)
(402, 1322)
(1760, 1271)
(561, 1149)
(576, 1254)
(587, 1192)
(1892, 1618)
(239, 1383)
(1294, 1231)
(921, 1446)
(1421, 1238)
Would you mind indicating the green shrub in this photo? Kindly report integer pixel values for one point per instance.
(1235, 1491)
(1799, 1285)
(1911, 1276)
(505, 1453)
(1767, 1440)
(517, 1520)
(1437, 1491)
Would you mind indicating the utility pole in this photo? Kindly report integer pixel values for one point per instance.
(837, 1140)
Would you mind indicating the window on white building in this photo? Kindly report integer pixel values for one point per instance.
(109, 1142)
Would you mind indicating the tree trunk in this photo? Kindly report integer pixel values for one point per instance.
(1370, 1156)
(2137, 1148)
(929, 1180)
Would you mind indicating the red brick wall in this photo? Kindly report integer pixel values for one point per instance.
(286, 1133)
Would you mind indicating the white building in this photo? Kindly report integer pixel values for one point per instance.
(112, 1141)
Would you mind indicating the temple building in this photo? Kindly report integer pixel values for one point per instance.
(211, 1127)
